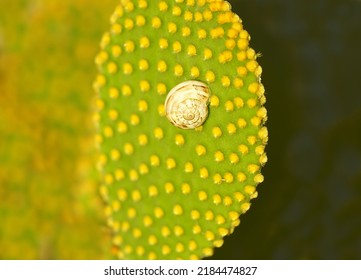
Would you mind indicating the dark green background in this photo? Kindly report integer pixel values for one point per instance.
(309, 206)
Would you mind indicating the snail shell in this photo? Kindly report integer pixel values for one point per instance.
(186, 105)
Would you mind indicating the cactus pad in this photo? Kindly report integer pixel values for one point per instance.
(172, 193)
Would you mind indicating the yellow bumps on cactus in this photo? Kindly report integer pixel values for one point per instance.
(174, 192)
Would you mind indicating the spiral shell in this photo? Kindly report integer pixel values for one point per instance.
(186, 105)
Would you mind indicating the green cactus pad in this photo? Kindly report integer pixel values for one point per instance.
(173, 193)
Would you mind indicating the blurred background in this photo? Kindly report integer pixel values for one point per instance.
(310, 203)
(309, 206)
(49, 202)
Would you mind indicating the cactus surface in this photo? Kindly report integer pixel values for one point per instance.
(172, 193)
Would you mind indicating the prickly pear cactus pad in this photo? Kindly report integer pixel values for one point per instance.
(174, 193)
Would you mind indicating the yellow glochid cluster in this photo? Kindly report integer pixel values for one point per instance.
(173, 193)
